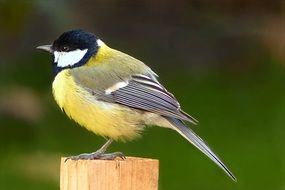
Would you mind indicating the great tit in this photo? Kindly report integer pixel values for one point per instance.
(113, 94)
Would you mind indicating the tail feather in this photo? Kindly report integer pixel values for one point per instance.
(188, 134)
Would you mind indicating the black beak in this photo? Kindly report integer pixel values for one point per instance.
(46, 48)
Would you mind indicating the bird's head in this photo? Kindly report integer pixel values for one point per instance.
(72, 49)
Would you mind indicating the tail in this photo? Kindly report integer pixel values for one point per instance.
(188, 134)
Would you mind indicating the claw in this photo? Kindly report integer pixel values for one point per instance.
(112, 156)
(97, 156)
(66, 159)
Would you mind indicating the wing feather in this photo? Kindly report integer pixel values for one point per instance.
(144, 93)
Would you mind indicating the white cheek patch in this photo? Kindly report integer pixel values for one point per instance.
(115, 87)
(64, 59)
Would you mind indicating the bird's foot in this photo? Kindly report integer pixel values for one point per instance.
(98, 155)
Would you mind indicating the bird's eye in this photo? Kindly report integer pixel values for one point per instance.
(65, 48)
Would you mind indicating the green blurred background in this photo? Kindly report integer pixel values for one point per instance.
(224, 61)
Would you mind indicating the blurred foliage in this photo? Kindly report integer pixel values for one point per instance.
(17, 12)
(223, 60)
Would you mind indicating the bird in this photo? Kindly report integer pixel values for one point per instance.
(114, 95)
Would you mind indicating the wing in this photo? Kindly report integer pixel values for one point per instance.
(146, 93)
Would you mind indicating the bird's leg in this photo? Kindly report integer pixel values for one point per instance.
(99, 154)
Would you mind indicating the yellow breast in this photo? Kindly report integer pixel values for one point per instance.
(105, 119)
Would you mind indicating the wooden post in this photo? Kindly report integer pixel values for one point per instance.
(129, 174)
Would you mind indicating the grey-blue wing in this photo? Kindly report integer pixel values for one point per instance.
(146, 93)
